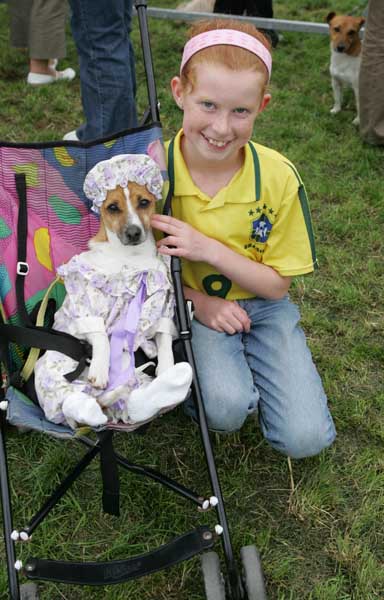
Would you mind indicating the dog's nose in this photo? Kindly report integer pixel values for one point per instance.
(133, 233)
(340, 47)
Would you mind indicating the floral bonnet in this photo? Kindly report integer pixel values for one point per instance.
(119, 170)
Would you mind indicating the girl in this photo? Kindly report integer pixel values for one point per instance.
(242, 226)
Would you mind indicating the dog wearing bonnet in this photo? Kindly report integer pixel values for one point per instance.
(119, 298)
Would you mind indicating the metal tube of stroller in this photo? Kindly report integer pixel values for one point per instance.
(160, 478)
(61, 490)
(233, 573)
(185, 334)
(152, 474)
(7, 517)
(141, 7)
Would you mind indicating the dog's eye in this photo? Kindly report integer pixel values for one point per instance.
(113, 208)
(337, 29)
(351, 33)
(144, 203)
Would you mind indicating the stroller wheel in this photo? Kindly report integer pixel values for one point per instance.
(29, 591)
(213, 578)
(253, 573)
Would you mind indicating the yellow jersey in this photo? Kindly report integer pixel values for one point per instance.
(262, 214)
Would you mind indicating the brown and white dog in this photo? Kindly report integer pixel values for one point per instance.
(125, 239)
(119, 298)
(345, 57)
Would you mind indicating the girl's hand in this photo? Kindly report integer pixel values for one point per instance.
(225, 316)
(182, 239)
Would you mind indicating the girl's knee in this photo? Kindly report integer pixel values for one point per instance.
(308, 445)
(302, 440)
(227, 415)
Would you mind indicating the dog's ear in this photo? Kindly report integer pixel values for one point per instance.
(330, 16)
(360, 22)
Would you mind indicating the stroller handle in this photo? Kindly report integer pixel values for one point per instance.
(141, 8)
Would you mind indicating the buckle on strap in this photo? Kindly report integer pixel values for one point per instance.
(22, 268)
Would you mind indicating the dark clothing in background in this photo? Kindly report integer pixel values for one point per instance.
(371, 82)
(251, 8)
(39, 25)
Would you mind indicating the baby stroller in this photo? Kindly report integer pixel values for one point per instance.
(45, 220)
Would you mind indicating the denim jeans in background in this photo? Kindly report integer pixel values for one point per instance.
(101, 30)
(270, 370)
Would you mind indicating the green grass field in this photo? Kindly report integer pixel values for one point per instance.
(325, 539)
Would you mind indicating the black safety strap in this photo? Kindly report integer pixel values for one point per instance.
(4, 354)
(50, 339)
(109, 475)
(22, 267)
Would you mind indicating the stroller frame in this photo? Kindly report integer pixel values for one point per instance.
(248, 585)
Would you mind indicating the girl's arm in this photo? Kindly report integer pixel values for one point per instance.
(185, 241)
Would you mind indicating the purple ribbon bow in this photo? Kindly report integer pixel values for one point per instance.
(123, 334)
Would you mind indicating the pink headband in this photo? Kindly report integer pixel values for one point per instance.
(230, 37)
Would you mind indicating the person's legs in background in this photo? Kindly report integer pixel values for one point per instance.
(47, 29)
(263, 8)
(101, 33)
(19, 14)
(371, 82)
(132, 71)
(259, 8)
(228, 7)
(252, 8)
(39, 25)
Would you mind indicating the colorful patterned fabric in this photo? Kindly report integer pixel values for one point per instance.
(60, 221)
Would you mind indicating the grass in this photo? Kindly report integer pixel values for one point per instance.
(324, 541)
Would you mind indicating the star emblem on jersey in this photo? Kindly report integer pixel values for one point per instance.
(261, 228)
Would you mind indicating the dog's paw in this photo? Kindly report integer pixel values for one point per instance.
(98, 381)
(109, 398)
(98, 375)
(334, 110)
(356, 121)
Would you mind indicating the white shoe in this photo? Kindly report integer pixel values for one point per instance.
(164, 392)
(71, 136)
(44, 79)
(80, 408)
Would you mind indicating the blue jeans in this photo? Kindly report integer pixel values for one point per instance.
(269, 370)
(101, 30)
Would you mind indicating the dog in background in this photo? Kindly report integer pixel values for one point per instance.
(346, 50)
(119, 298)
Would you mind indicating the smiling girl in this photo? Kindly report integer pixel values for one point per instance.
(241, 225)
